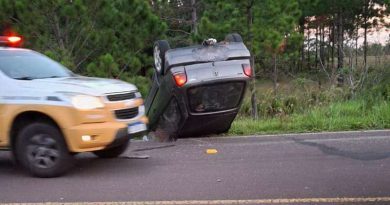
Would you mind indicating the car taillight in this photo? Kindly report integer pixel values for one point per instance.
(247, 69)
(180, 79)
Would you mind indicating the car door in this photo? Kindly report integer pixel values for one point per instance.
(158, 97)
(153, 100)
(152, 93)
(2, 129)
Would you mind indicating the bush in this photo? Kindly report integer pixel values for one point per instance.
(299, 96)
(143, 84)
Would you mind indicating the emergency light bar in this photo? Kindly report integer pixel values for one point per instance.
(12, 41)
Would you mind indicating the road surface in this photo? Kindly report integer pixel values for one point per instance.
(351, 167)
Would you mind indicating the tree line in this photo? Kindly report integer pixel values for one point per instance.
(114, 38)
(286, 36)
(96, 38)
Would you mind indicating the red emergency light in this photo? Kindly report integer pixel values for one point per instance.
(12, 41)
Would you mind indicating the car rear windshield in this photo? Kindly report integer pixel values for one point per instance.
(29, 65)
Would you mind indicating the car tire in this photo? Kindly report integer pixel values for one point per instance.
(234, 37)
(159, 49)
(42, 151)
(113, 151)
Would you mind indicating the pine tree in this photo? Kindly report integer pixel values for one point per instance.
(265, 26)
(83, 33)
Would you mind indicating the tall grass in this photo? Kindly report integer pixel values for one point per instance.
(301, 106)
(350, 115)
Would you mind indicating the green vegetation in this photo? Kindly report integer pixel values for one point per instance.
(94, 38)
(303, 107)
(349, 115)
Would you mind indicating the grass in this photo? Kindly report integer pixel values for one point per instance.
(339, 116)
(301, 104)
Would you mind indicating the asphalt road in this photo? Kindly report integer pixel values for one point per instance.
(295, 167)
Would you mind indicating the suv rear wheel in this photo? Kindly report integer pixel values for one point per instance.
(42, 151)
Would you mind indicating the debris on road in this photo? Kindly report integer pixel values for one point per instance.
(211, 151)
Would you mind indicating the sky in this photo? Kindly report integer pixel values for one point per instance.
(381, 37)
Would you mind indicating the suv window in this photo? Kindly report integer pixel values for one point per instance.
(29, 65)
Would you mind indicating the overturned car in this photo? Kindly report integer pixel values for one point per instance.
(197, 90)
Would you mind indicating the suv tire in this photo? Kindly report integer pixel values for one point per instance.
(42, 151)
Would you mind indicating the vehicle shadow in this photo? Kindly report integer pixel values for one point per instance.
(85, 164)
(8, 166)
(357, 155)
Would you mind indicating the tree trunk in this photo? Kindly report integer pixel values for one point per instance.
(333, 44)
(255, 114)
(254, 111)
(356, 47)
(365, 46)
(194, 17)
(275, 75)
(308, 50)
(322, 45)
(302, 52)
(329, 48)
(316, 47)
(340, 44)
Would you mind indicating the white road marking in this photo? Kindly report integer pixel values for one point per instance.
(303, 134)
(227, 202)
(291, 141)
(349, 139)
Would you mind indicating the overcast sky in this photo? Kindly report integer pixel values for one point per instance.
(381, 36)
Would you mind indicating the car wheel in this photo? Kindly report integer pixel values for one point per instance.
(41, 149)
(159, 49)
(112, 152)
(234, 37)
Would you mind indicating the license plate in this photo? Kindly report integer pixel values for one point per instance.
(136, 127)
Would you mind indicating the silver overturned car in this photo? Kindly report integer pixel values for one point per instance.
(197, 90)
